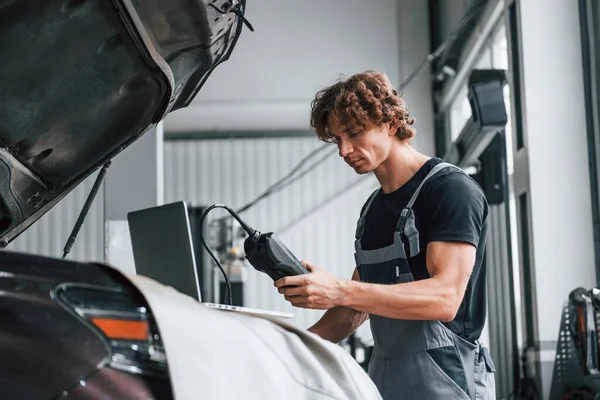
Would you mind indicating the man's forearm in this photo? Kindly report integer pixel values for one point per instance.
(427, 299)
(338, 323)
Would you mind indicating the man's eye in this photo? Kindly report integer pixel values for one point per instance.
(352, 134)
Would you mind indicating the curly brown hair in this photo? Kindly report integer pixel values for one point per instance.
(362, 99)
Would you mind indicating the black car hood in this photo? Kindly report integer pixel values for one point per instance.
(80, 80)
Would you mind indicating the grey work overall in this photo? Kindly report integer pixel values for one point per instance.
(418, 359)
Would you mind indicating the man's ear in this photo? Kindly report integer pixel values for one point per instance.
(393, 127)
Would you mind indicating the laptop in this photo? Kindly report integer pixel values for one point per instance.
(163, 250)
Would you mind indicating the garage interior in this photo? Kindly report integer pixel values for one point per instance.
(505, 89)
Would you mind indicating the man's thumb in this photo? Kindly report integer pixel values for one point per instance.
(309, 266)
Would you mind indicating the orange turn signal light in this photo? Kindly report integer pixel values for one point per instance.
(122, 329)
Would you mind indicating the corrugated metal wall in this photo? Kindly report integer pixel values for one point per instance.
(235, 171)
(500, 318)
(50, 233)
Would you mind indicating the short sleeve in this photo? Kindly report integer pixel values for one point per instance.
(457, 210)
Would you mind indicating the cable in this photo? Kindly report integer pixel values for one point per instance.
(237, 10)
(289, 180)
(85, 209)
(283, 182)
(249, 230)
(322, 204)
(303, 173)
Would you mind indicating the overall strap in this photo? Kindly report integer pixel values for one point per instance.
(363, 216)
(406, 223)
(431, 173)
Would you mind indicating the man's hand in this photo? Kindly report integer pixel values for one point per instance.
(318, 290)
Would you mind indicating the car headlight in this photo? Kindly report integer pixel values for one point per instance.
(123, 320)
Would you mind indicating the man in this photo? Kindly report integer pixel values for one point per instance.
(420, 240)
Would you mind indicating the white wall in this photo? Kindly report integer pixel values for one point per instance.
(299, 47)
(556, 161)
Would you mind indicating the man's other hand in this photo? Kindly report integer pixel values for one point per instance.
(318, 290)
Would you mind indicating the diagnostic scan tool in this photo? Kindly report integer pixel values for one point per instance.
(264, 251)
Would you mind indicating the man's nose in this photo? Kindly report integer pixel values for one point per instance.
(345, 148)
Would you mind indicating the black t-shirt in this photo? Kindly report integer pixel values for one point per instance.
(450, 207)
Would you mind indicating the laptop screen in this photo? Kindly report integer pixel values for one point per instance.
(162, 247)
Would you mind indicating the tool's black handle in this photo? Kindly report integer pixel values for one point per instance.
(269, 255)
(284, 260)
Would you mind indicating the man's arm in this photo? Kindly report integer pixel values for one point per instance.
(455, 223)
(436, 298)
(339, 322)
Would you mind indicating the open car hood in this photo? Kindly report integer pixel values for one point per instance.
(80, 80)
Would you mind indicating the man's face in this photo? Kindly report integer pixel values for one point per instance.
(363, 149)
